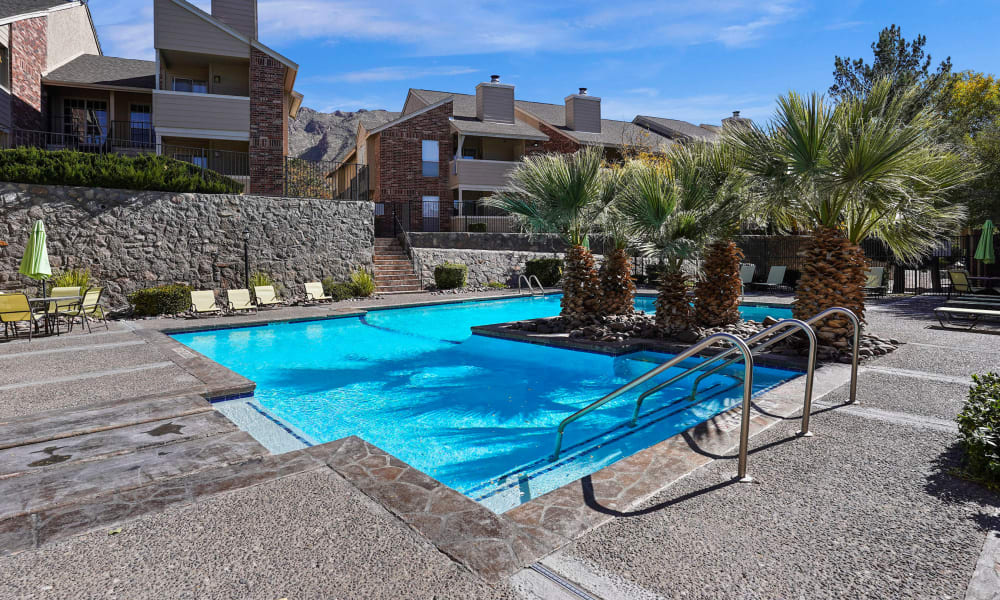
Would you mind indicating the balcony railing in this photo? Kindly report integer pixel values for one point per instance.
(92, 135)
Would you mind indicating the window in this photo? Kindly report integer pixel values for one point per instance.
(196, 160)
(430, 158)
(190, 85)
(86, 119)
(4, 67)
(140, 117)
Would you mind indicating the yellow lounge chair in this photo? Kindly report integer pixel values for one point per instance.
(88, 310)
(314, 292)
(240, 300)
(14, 309)
(961, 284)
(203, 303)
(265, 296)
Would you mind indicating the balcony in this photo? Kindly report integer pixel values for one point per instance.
(480, 174)
(209, 112)
(97, 134)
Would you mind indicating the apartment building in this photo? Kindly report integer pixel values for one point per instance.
(430, 168)
(214, 95)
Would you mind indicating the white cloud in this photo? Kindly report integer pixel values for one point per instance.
(393, 74)
(708, 108)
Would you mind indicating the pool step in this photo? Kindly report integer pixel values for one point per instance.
(393, 268)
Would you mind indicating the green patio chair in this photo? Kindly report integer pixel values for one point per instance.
(874, 282)
(775, 279)
(89, 309)
(746, 276)
(266, 296)
(961, 284)
(239, 300)
(59, 306)
(203, 303)
(14, 309)
(314, 292)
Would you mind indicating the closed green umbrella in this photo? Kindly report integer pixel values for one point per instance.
(35, 263)
(984, 251)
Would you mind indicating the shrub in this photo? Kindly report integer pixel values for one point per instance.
(339, 290)
(548, 270)
(477, 228)
(979, 427)
(497, 285)
(364, 282)
(162, 300)
(141, 172)
(260, 278)
(72, 278)
(448, 276)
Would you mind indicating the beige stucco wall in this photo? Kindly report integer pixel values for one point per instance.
(234, 78)
(70, 34)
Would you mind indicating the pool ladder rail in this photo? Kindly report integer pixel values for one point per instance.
(745, 349)
(530, 281)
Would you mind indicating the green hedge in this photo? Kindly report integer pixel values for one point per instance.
(142, 172)
(448, 276)
(339, 290)
(979, 427)
(162, 300)
(548, 270)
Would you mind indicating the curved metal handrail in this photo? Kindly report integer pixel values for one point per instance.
(807, 402)
(737, 344)
(541, 288)
(531, 288)
(764, 343)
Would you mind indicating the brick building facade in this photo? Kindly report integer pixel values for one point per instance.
(268, 124)
(400, 178)
(29, 43)
(558, 142)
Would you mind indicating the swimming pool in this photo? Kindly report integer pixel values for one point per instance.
(478, 414)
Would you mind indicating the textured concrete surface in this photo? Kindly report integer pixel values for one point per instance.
(864, 510)
(306, 536)
(889, 391)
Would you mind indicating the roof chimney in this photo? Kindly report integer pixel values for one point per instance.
(736, 119)
(495, 101)
(583, 112)
(241, 15)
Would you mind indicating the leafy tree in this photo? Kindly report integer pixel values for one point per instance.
(850, 172)
(905, 64)
(567, 194)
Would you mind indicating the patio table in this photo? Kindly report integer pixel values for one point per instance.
(66, 301)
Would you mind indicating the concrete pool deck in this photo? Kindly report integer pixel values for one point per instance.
(869, 500)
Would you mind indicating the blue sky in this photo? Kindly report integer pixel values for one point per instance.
(696, 61)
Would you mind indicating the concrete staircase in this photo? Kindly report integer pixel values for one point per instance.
(393, 269)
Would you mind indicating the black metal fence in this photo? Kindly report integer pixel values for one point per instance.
(325, 179)
(433, 214)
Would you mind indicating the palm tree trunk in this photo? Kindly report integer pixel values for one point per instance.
(673, 310)
(717, 294)
(617, 285)
(833, 274)
(581, 287)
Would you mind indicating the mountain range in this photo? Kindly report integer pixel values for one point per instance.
(317, 135)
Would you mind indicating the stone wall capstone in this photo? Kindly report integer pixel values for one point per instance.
(484, 265)
(136, 239)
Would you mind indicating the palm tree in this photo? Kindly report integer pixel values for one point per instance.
(673, 209)
(565, 194)
(860, 169)
(617, 284)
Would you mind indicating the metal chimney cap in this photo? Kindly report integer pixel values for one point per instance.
(736, 114)
(583, 91)
(494, 79)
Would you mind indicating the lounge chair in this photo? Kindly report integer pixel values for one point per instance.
(240, 300)
(88, 310)
(314, 292)
(265, 296)
(960, 284)
(746, 276)
(14, 309)
(965, 314)
(775, 279)
(874, 283)
(203, 303)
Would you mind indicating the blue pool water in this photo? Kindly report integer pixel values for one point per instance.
(478, 414)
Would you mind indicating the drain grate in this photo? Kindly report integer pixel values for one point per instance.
(569, 586)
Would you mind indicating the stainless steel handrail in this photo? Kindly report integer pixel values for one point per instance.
(757, 343)
(531, 288)
(737, 344)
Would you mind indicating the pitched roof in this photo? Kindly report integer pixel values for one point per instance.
(613, 132)
(92, 69)
(676, 129)
(370, 120)
(14, 8)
